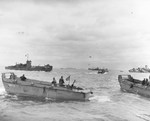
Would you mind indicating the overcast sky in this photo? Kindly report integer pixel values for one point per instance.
(65, 33)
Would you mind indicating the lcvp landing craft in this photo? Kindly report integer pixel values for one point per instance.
(25, 87)
(129, 84)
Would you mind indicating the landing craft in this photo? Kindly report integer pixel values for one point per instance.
(136, 86)
(25, 87)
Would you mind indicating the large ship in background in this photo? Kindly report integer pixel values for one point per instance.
(140, 70)
(28, 67)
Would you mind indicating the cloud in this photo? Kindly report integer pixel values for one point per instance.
(67, 32)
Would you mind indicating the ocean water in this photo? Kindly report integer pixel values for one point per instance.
(109, 103)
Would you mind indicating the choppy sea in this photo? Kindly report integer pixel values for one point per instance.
(109, 103)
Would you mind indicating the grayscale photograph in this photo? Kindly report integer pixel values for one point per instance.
(75, 60)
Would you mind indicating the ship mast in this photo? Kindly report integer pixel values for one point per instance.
(89, 64)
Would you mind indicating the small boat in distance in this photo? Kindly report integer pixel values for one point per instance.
(94, 69)
(24, 87)
(102, 71)
(136, 86)
(28, 67)
(140, 70)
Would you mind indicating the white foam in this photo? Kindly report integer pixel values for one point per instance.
(100, 98)
(2, 90)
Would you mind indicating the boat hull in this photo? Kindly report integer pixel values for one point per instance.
(136, 88)
(39, 89)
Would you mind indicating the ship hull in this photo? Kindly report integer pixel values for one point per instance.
(29, 69)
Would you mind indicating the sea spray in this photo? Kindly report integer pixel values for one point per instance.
(100, 98)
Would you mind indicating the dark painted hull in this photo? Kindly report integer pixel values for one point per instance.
(30, 69)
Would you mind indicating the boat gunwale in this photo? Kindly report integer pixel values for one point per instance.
(46, 85)
(137, 85)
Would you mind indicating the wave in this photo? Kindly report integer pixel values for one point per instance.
(2, 91)
(100, 98)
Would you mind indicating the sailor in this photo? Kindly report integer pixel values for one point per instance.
(73, 83)
(23, 78)
(146, 82)
(54, 81)
(72, 86)
(143, 82)
(11, 76)
(132, 79)
(14, 76)
(61, 81)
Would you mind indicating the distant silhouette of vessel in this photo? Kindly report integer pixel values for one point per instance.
(102, 71)
(140, 70)
(28, 67)
(94, 69)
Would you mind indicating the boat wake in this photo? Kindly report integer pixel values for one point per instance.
(2, 91)
(100, 98)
